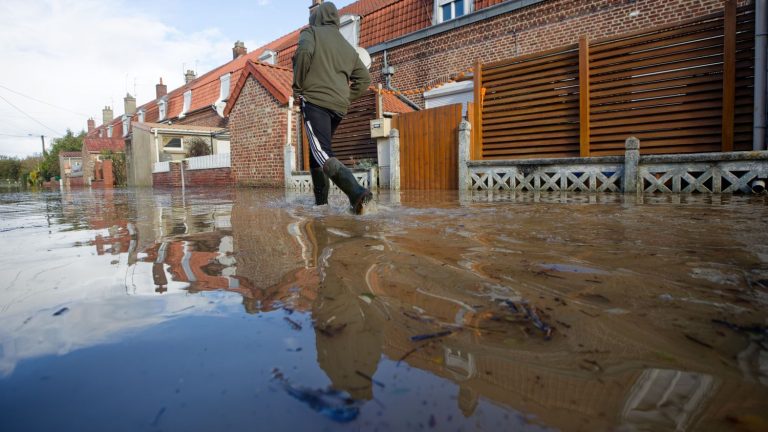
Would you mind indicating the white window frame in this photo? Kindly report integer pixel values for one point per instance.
(162, 110)
(140, 113)
(224, 86)
(179, 149)
(468, 4)
(350, 22)
(126, 125)
(109, 131)
(187, 103)
(269, 57)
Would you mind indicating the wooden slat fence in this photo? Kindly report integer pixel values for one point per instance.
(680, 89)
(352, 141)
(531, 106)
(429, 144)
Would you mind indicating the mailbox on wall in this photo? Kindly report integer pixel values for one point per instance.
(380, 127)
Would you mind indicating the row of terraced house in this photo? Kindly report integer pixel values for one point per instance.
(422, 51)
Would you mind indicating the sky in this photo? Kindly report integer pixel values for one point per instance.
(64, 60)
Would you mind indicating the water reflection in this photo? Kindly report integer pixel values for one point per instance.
(570, 311)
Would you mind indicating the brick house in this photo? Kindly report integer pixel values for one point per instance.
(71, 168)
(91, 153)
(258, 115)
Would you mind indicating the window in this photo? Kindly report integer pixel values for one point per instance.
(224, 88)
(140, 113)
(269, 57)
(187, 103)
(174, 143)
(350, 29)
(446, 10)
(126, 125)
(109, 131)
(161, 106)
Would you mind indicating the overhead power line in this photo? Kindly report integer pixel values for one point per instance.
(17, 136)
(43, 102)
(30, 117)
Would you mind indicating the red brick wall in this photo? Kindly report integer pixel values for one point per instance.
(543, 26)
(206, 117)
(171, 178)
(208, 177)
(257, 128)
(193, 178)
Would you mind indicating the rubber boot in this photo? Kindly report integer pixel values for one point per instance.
(346, 181)
(321, 185)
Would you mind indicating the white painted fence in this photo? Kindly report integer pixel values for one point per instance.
(161, 167)
(220, 160)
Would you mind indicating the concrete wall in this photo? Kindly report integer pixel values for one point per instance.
(140, 156)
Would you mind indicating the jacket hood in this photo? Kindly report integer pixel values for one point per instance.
(325, 14)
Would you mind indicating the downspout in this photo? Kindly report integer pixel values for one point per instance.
(761, 28)
(288, 133)
(388, 83)
(157, 148)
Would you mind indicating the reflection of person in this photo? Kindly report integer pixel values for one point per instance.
(349, 330)
(327, 76)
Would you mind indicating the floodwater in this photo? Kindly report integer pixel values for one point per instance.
(253, 310)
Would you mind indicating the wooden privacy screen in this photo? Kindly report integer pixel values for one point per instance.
(429, 148)
(352, 141)
(680, 89)
(531, 106)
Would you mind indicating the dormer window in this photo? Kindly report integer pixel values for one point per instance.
(126, 125)
(187, 103)
(224, 88)
(161, 108)
(109, 131)
(349, 26)
(140, 114)
(269, 57)
(446, 10)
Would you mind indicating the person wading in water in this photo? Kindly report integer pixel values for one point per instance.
(327, 76)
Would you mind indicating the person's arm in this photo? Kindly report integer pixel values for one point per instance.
(359, 80)
(302, 59)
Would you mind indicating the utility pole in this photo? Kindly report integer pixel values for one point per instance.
(42, 140)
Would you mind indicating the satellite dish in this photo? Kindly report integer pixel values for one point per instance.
(364, 57)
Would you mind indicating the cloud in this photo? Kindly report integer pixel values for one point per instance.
(86, 54)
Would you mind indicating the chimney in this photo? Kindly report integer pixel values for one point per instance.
(91, 124)
(107, 115)
(129, 102)
(160, 89)
(315, 4)
(238, 50)
(189, 76)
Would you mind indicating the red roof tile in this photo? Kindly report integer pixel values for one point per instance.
(393, 104)
(96, 145)
(277, 80)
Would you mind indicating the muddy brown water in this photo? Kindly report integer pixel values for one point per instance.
(254, 310)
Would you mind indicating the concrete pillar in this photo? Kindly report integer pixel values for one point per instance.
(631, 160)
(465, 133)
(288, 163)
(373, 178)
(382, 148)
(394, 159)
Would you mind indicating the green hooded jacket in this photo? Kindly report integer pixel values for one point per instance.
(327, 71)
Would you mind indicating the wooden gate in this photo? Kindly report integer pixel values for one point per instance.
(429, 148)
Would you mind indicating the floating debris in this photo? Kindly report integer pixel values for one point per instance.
(337, 405)
(61, 311)
(294, 325)
(370, 378)
(427, 336)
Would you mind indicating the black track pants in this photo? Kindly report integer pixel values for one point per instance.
(319, 124)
